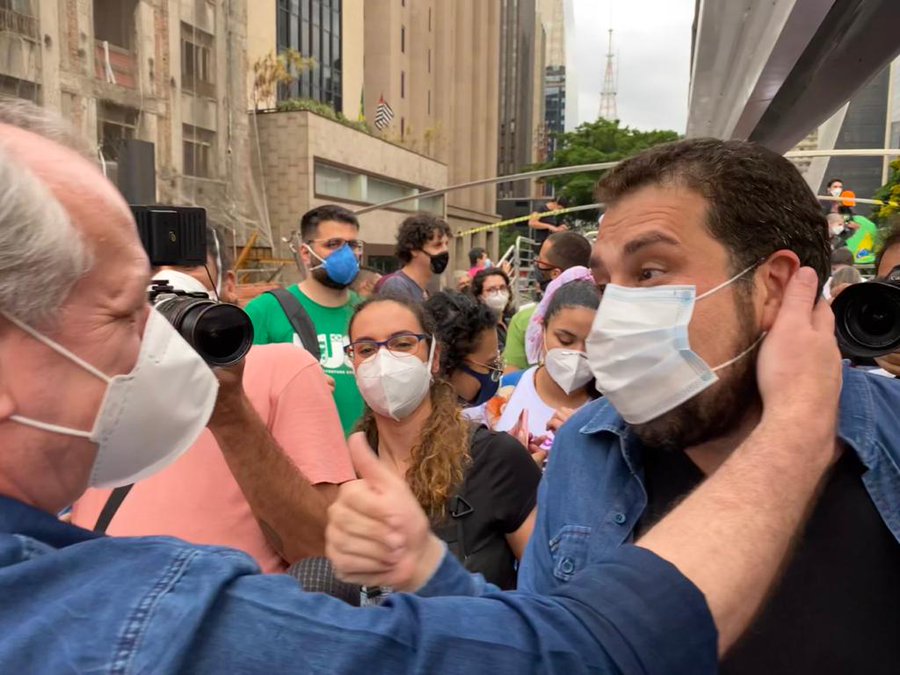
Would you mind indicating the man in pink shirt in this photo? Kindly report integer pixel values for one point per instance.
(264, 472)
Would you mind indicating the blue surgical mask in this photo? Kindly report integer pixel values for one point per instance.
(489, 386)
(341, 267)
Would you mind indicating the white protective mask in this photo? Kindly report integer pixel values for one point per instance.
(835, 192)
(568, 368)
(150, 416)
(836, 229)
(639, 351)
(497, 301)
(394, 386)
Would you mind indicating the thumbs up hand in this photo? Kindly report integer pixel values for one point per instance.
(377, 534)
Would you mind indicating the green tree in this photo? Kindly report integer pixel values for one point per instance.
(890, 195)
(593, 143)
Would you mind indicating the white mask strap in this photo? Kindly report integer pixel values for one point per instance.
(58, 348)
(741, 355)
(316, 256)
(727, 283)
(66, 431)
(218, 265)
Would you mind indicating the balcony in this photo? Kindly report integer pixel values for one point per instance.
(20, 24)
(122, 65)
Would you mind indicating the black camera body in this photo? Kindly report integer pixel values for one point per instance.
(175, 236)
(867, 317)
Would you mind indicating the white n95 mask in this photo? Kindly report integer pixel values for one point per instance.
(639, 351)
(394, 386)
(568, 368)
(150, 416)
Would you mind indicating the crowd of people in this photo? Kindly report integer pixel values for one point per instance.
(660, 465)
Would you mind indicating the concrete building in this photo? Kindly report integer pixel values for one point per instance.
(521, 94)
(167, 72)
(309, 160)
(553, 16)
(435, 63)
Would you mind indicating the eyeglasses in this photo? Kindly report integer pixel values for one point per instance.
(335, 243)
(545, 266)
(495, 369)
(404, 344)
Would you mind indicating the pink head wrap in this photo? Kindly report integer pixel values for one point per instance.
(534, 335)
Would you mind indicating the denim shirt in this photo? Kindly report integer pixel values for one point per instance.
(73, 602)
(592, 494)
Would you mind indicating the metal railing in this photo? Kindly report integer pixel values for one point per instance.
(520, 257)
(21, 24)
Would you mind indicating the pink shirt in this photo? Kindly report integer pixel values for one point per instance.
(198, 500)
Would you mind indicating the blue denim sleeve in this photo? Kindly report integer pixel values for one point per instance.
(634, 613)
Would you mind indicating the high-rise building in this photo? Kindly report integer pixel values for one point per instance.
(521, 93)
(434, 63)
(552, 13)
(156, 87)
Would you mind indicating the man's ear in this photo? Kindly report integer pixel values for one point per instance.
(772, 278)
(229, 287)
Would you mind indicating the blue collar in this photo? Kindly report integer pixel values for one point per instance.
(19, 518)
(856, 423)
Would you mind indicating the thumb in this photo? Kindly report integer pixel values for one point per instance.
(365, 462)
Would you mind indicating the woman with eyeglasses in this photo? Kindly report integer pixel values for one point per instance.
(477, 486)
(492, 288)
(534, 403)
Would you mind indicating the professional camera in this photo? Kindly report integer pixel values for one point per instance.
(867, 317)
(176, 236)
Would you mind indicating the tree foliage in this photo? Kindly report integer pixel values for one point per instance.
(890, 194)
(593, 143)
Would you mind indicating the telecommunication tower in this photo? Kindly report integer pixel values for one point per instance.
(608, 94)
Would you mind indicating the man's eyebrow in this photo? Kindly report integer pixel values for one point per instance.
(649, 239)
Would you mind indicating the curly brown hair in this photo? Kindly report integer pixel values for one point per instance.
(438, 461)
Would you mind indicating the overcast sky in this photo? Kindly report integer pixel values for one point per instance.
(652, 43)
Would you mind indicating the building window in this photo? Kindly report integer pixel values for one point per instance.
(345, 184)
(114, 22)
(17, 16)
(11, 86)
(402, 84)
(429, 19)
(197, 146)
(403, 39)
(402, 128)
(429, 101)
(197, 61)
(114, 125)
(429, 61)
(313, 28)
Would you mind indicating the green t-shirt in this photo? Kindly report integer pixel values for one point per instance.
(270, 324)
(514, 353)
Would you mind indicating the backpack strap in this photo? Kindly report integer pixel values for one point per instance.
(299, 319)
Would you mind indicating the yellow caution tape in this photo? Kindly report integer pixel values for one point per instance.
(525, 219)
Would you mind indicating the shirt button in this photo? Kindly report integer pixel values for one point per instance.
(567, 566)
(620, 518)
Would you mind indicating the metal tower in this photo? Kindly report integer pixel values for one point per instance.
(608, 94)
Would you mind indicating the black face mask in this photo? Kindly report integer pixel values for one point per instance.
(439, 262)
(322, 277)
(538, 276)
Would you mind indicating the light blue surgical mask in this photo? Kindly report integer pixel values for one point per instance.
(639, 351)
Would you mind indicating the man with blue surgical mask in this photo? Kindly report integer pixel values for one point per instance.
(329, 248)
(701, 282)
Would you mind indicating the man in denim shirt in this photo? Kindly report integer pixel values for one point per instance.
(697, 251)
(91, 380)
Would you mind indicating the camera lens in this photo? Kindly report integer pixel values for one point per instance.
(221, 333)
(868, 319)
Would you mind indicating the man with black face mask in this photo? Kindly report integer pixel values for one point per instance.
(423, 245)
(329, 247)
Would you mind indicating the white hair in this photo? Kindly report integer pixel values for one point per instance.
(42, 254)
